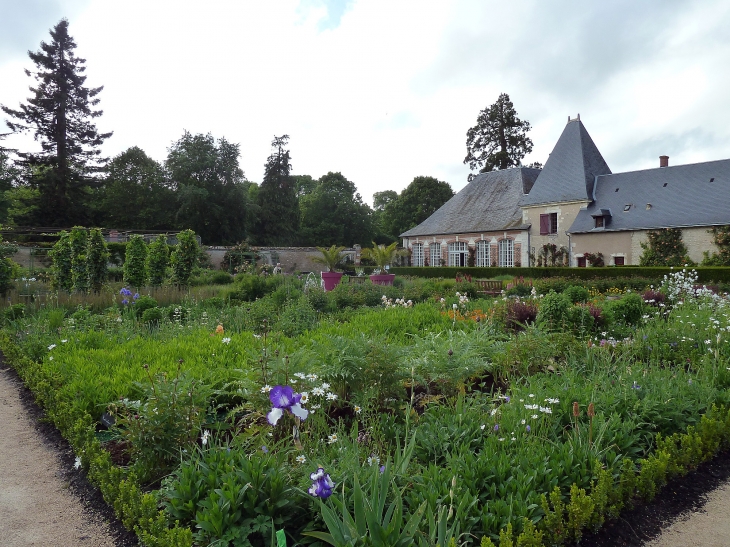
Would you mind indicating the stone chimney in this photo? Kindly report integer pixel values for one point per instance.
(663, 161)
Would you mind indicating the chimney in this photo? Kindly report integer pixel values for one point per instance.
(663, 161)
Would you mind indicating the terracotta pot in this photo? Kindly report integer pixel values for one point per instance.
(382, 279)
(331, 280)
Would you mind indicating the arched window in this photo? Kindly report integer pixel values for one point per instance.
(417, 254)
(458, 253)
(506, 253)
(483, 252)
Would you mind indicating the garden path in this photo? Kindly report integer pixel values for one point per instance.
(36, 503)
(708, 526)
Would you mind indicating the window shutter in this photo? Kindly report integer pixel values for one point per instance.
(544, 224)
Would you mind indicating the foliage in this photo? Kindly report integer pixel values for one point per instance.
(157, 260)
(499, 139)
(135, 262)
(418, 201)
(721, 239)
(60, 113)
(61, 255)
(553, 314)
(79, 267)
(152, 316)
(239, 258)
(208, 184)
(278, 220)
(184, 257)
(330, 257)
(97, 258)
(664, 247)
(577, 293)
(7, 266)
(142, 304)
(333, 213)
(380, 254)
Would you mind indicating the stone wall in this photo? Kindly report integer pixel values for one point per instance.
(292, 259)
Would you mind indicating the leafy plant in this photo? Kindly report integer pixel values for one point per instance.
(329, 257)
(184, 257)
(135, 262)
(157, 260)
(79, 272)
(97, 258)
(380, 254)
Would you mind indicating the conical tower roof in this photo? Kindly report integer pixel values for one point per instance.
(571, 169)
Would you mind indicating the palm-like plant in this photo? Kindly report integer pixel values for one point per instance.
(330, 257)
(381, 255)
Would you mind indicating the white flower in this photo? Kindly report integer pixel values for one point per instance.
(226, 340)
(301, 459)
(51, 347)
(50, 357)
(523, 422)
(300, 375)
(266, 388)
(312, 377)
(455, 306)
(546, 410)
(493, 412)
(305, 398)
(482, 427)
(534, 416)
(77, 462)
(325, 386)
(331, 439)
(553, 401)
(331, 396)
(531, 407)
(64, 341)
(501, 439)
(358, 409)
(204, 437)
(318, 391)
(373, 460)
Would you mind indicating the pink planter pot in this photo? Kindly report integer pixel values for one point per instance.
(383, 279)
(331, 280)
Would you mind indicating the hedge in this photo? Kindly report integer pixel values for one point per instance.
(706, 274)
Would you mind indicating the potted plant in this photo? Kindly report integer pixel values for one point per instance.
(382, 256)
(330, 258)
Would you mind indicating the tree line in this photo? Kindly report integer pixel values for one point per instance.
(200, 185)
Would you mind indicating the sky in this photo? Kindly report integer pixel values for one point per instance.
(385, 90)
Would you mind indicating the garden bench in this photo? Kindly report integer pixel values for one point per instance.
(489, 287)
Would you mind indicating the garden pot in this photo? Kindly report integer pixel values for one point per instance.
(382, 279)
(331, 280)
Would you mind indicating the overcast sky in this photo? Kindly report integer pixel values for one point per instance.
(385, 90)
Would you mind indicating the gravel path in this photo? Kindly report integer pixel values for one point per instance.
(37, 505)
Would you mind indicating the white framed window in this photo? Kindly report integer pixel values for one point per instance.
(483, 254)
(417, 254)
(435, 249)
(458, 253)
(506, 253)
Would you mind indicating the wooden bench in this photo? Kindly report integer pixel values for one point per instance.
(489, 287)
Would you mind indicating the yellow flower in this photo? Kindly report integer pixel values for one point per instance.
(219, 329)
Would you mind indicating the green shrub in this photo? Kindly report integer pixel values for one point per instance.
(157, 260)
(219, 277)
(135, 262)
(152, 315)
(97, 258)
(142, 304)
(297, 317)
(184, 257)
(14, 312)
(628, 309)
(79, 271)
(554, 309)
(576, 294)
(7, 266)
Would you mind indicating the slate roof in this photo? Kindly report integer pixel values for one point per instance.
(665, 197)
(570, 170)
(490, 202)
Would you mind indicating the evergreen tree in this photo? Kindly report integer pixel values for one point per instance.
(418, 201)
(499, 139)
(277, 198)
(135, 262)
(61, 268)
(60, 114)
(184, 257)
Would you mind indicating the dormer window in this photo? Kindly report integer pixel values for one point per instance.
(599, 222)
(601, 218)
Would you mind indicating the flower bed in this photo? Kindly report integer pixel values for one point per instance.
(482, 421)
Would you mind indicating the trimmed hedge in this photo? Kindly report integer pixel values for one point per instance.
(705, 274)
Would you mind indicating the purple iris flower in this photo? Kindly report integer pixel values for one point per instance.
(528, 428)
(283, 398)
(322, 484)
(125, 292)
(136, 296)
(496, 427)
(125, 301)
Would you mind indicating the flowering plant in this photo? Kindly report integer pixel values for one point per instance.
(283, 399)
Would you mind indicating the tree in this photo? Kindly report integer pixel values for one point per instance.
(79, 266)
(157, 260)
(418, 201)
(136, 194)
(664, 247)
(97, 258)
(277, 198)
(211, 187)
(499, 139)
(61, 269)
(9, 176)
(60, 113)
(184, 257)
(334, 214)
(135, 262)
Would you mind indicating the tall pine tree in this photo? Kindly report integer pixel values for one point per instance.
(277, 198)
(499, 139)
(61, 116)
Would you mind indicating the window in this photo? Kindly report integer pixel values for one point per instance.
(548, 224)
(581, 261)
(435, 254)
(483, 258)
(417, 254)
(458, 253)
(618, 260)
(599, 222)
(506, 253)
